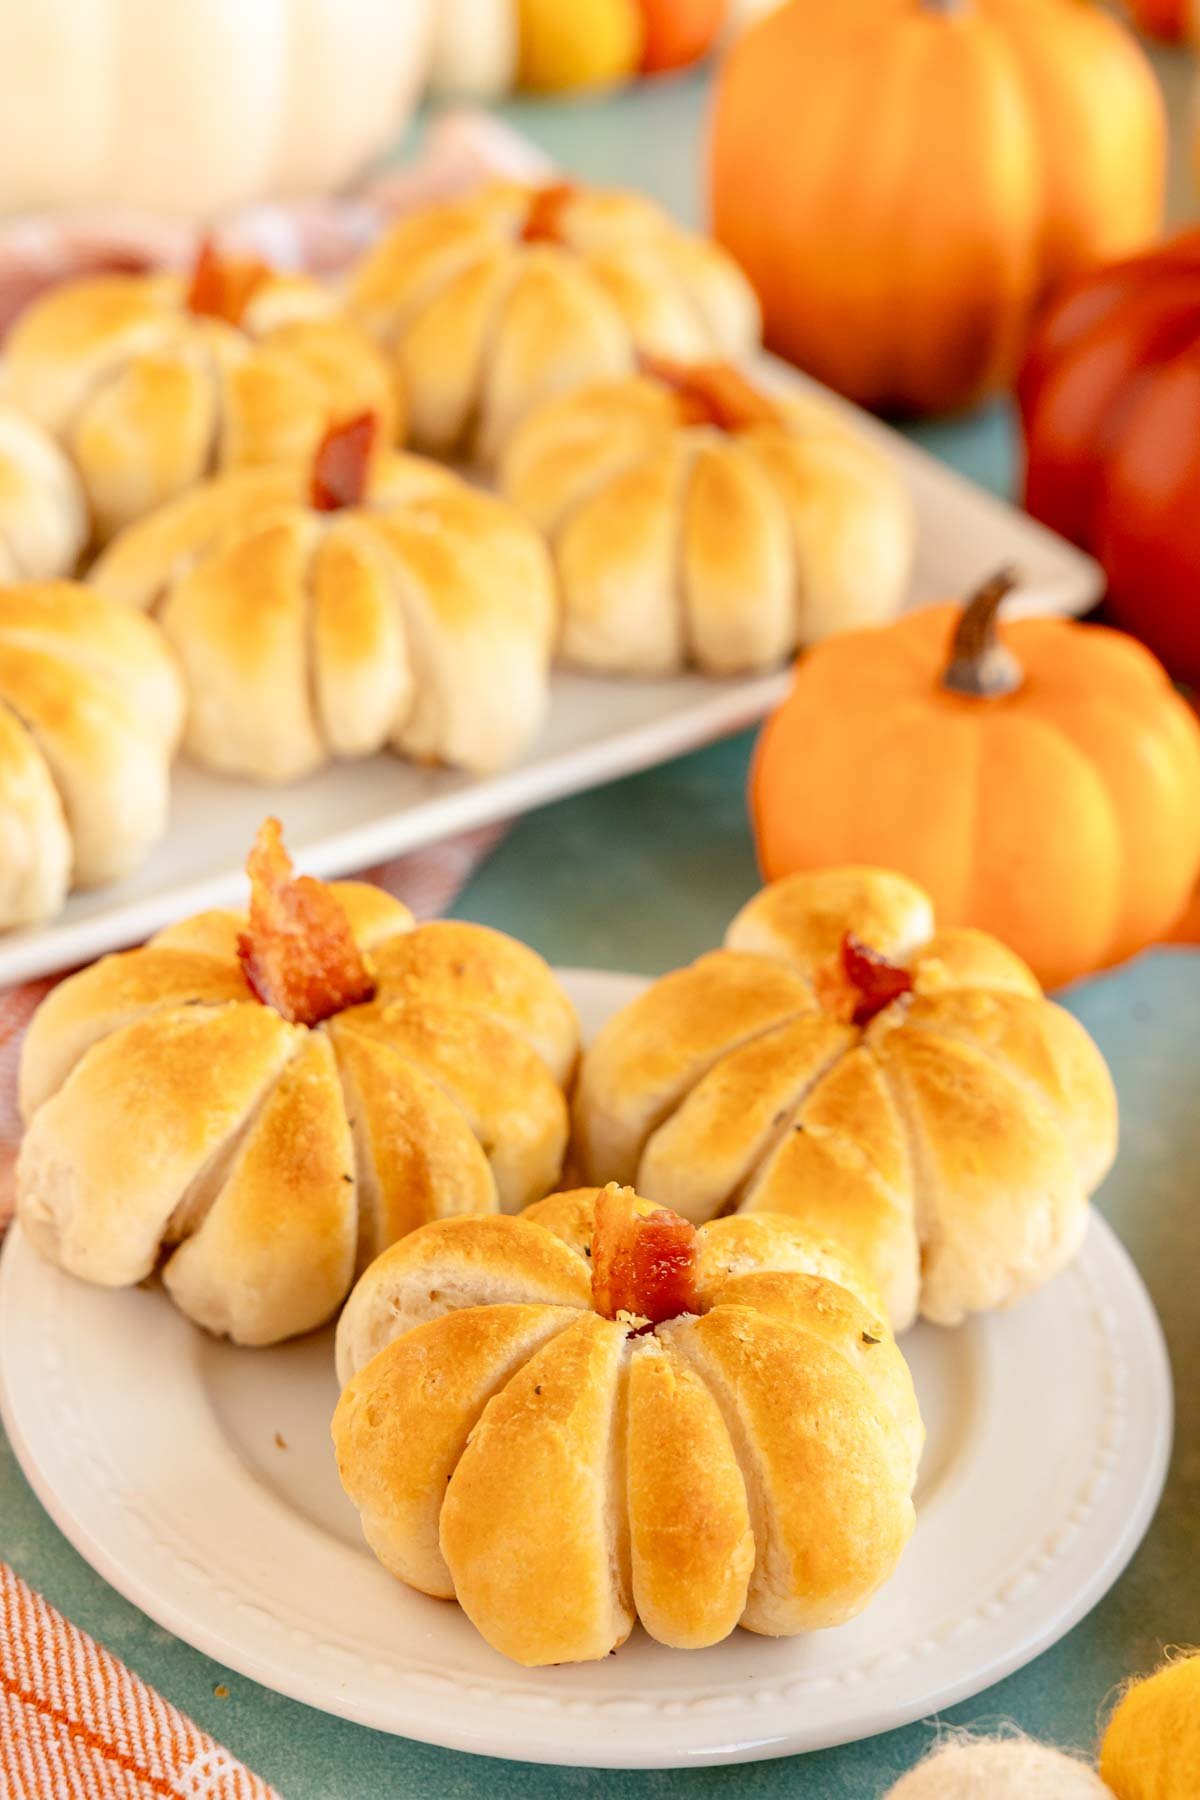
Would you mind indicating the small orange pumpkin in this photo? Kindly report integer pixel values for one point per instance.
(902, 182)
(679, 32)
(1041, 782)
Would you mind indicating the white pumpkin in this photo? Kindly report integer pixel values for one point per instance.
(744, 12)
(187, 107)
(474, 48)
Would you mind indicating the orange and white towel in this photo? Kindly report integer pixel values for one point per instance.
(76, 1724)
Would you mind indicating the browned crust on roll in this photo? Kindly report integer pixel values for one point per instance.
(950, 1142)
(170, 1111)
(753, 1464)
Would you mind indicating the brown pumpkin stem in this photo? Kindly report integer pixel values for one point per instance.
(342, 465)
(643, 1264)
(298, 952)
(544, 220)
(980, 665)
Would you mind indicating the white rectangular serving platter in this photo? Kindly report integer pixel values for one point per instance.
(353, 814)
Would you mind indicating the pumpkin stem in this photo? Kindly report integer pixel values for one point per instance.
(342, 465)
(980, 665)
(298, 952)
(220, 287)
(544, 220)
(712, 393)
(643, 1264)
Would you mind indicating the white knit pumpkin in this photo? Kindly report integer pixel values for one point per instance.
(190, 106)
(999, 1769)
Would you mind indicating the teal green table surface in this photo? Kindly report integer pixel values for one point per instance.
(641, 875)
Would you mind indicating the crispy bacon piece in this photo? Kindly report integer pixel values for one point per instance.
(342, 464)
(221, 287)
(713, 393)
(299, 954)
(863, 984)
(642, 1263)
(543, 221)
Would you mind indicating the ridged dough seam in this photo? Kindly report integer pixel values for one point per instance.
(765, 1572)
(1004, 1066)
(673, 1101)
(210, 1180)
(744, 1190)
(474, 418)
(110, 366)
(431, 1073)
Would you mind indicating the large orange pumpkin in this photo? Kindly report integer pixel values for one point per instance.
(903, 179)
(1041, 781)
(1110, 399)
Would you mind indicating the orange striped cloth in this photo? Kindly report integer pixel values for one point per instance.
(75, 1724)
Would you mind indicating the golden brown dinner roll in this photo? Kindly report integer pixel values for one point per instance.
(594, 1413)
(695, 519)
(257, 1100)
(494, 302)
(91, 708)
(409, 610)
(153, 381)
(43, 514)
(906, 1092)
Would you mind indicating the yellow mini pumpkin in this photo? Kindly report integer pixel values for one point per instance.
(1041, 780)
(1151, 1749)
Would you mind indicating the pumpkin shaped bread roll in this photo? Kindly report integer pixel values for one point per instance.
(373, 599)
(153, 381)
(43, 514)
(489, 304)
(266, 1103)
(91, 710)
(695, 519)
(593, 1413)
(906, 1092)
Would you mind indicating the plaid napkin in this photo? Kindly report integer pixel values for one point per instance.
(75, 1724)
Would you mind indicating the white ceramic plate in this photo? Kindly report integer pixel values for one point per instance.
(199, 1480)
(353, 814)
